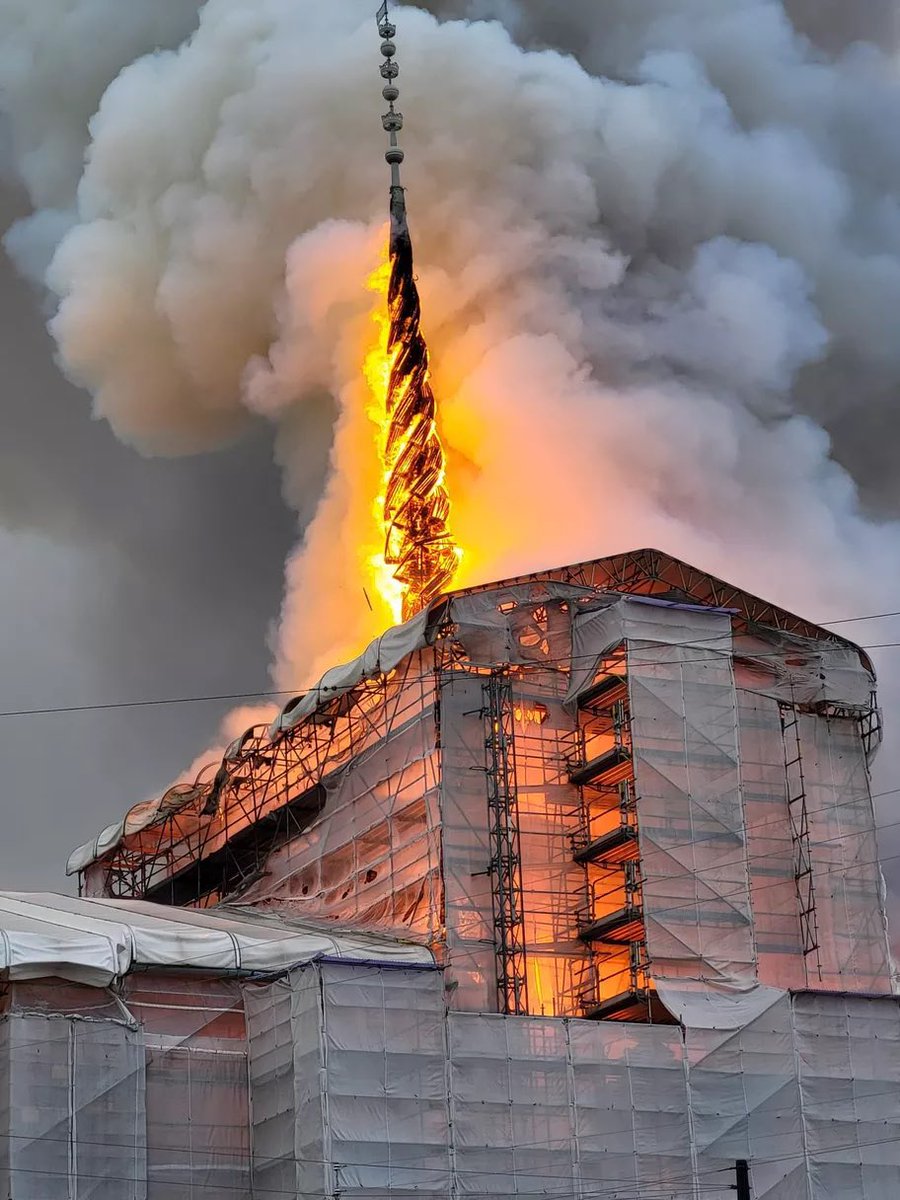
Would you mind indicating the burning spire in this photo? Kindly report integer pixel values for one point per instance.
(419, 550)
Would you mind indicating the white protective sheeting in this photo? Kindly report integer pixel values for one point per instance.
(371, 858)
(687, 776)
(730, 803)
(800, 671)
(852, 950)
(139, 1096)
(690, 812)
(770, 847)
(379, 658)
(44, 935)
(284, 1026)
(57, 1075)
(348, 1078)
(380, 1091)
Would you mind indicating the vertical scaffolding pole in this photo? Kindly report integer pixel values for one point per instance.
(506, 863)
(799, 818)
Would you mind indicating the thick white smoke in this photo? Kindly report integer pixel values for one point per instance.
(654, 276)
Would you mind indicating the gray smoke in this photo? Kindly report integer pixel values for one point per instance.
(658, 246)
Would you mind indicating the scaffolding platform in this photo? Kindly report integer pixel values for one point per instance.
(633, 1006)
(616, 846)
(610, 767)
(622, 927)
(609, 691)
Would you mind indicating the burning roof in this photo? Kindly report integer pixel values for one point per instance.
(647, 572)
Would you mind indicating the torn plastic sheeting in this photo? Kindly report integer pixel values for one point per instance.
(631, 618)
(136, 820)
(491, 626)
(801, 671)
(372, 856)
(715, 1006)
(379, 658)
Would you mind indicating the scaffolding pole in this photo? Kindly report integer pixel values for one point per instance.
(506, 863)
(795, 783)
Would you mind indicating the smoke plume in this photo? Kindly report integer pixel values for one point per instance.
(658, 246)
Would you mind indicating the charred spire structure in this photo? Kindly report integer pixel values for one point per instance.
(419, 548)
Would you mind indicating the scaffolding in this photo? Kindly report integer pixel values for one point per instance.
(611, 920)
(799, 817)
(506, 859)
(560, 789)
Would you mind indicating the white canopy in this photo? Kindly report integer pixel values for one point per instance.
(96, 941)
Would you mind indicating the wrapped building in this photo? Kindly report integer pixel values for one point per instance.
(566, 887)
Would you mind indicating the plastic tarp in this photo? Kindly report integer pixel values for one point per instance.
(848, 1060)
(381, 1091)
(379, 658)
(355, 1080)
(690, 812)
(195, 1086)
(97, 941)
(500, 626)
(745, 1098)
(139, 1096)
(401, 1097)
(348, 1080)
(720, 823)
(65, 1078)
(851, 934)
(482, 628)
(372, 856)
(770, 847)
(804, 672)
(287, 1086)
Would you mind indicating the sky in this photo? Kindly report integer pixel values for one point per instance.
(201, 224)
(124, 578)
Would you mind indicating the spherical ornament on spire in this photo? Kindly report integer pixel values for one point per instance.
(391, 93)
(394, 156)
(388, 49)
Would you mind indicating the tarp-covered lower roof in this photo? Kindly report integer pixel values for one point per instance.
(45, 935)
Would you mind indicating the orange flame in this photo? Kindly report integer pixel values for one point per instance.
(419, 558)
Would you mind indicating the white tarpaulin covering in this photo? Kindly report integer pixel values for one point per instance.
(372, 1089)
(97, 941)
(690, 812)
(353, 1080)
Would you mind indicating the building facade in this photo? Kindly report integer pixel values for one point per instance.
(622, 812)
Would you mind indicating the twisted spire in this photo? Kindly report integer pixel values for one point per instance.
(418, 544)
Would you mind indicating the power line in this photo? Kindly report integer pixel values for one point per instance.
(851, 620)
(76, 708)
(273, 694)
(660, 1185)
(245, 1156)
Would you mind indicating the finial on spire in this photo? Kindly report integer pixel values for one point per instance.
(391, 120)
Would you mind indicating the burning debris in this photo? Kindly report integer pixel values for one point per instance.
(419, 550)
